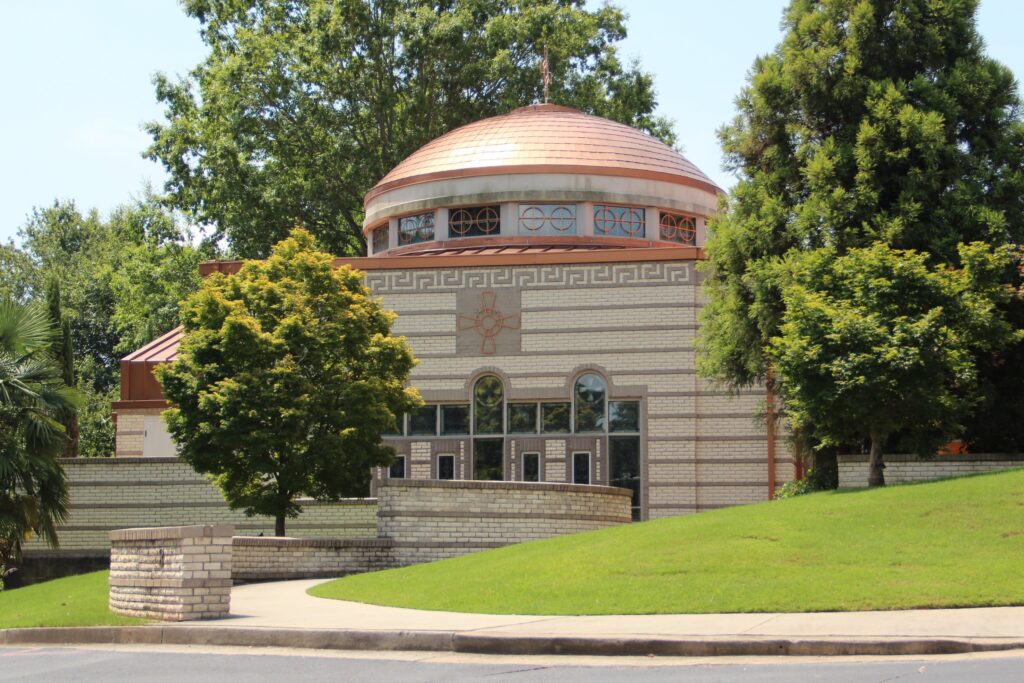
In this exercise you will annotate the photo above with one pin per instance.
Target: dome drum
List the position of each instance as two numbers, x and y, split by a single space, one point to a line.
544 222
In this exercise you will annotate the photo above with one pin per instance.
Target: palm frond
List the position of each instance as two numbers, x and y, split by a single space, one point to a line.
24 328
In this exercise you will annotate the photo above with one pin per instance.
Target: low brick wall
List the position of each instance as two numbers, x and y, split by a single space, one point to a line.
430 520
905 469
274 559
118 493
171 573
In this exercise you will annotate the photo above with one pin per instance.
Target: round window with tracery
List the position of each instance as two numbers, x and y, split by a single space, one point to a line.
474 222
677 228
619 221
548 218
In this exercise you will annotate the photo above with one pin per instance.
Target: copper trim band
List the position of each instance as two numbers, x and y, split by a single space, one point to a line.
567 169
372 263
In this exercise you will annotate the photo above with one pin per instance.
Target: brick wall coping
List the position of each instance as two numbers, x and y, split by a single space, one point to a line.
505 486
291 542
960 457
120 461
161 533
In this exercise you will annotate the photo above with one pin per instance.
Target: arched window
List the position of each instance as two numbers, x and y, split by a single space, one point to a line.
589 398
488 406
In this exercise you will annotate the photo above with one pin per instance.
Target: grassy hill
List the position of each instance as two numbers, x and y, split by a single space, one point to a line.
953 543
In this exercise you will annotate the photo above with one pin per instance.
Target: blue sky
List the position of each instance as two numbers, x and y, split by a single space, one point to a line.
76 84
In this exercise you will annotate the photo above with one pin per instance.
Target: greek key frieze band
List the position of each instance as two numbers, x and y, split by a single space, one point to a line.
596 275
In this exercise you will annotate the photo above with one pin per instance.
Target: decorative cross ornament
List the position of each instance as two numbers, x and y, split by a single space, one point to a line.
488 322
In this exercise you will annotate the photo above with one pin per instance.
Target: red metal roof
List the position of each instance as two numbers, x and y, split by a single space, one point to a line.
544 138
160 350
138 385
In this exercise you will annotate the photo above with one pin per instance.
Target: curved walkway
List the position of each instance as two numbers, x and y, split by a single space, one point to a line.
282 612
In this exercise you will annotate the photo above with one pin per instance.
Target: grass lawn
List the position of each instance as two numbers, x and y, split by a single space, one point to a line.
954 543
72 601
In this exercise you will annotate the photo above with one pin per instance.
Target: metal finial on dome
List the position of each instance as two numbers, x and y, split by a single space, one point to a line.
545 73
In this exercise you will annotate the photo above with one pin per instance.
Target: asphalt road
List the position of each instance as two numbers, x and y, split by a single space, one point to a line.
239 665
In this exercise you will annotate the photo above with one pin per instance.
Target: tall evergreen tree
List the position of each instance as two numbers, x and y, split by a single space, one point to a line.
63 354
872 121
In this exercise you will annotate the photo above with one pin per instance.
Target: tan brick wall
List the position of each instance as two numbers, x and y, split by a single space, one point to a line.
904 469
171 573
114 493
268 558
429 520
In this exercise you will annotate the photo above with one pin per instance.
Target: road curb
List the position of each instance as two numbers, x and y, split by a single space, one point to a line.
478 643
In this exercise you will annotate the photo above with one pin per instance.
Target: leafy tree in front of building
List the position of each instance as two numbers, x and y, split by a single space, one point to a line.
286 378
34 400
301 107
873 121
874 342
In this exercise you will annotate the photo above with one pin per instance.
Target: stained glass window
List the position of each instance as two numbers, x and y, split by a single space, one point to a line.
417 228
455 419
589 396
619 221
547 219
381 239
555 418
488 406
423 422
624 416
475 221
522 418
676 227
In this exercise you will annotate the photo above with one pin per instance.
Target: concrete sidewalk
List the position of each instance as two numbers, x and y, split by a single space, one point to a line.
285 606
281 614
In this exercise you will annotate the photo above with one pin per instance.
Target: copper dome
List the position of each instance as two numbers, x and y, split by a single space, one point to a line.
544 138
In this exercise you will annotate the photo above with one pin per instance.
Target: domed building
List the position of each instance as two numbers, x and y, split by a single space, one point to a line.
543 267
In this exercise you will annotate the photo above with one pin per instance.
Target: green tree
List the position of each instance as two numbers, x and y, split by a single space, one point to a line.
286 377
872 121
874 342
302 106
63 353
33 399
120 282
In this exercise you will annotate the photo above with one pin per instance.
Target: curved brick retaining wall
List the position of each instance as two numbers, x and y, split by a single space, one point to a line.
906 469
421 521
273 559
430 520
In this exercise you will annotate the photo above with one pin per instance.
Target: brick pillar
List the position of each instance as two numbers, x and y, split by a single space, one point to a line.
176 573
